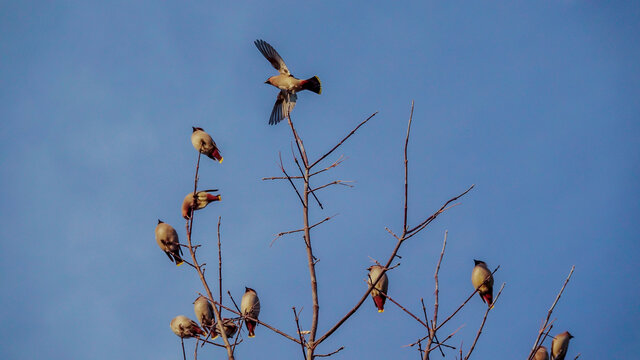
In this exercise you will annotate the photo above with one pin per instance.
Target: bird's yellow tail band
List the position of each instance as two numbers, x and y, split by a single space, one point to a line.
380 310
220 161
180 263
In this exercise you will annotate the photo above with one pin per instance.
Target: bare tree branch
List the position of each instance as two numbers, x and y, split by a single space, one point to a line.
342 141
484 319
546 320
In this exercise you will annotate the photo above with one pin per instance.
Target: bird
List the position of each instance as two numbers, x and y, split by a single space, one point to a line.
250 306
229 328
204 313
167 239
479 274
286 82
203 198
204 143
541 354
560 346
381 286
185 327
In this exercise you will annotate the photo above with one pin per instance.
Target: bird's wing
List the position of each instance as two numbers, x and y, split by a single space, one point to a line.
272 55
285 102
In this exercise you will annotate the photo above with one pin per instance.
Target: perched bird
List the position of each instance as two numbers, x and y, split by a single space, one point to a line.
185 327
250 306
167 239
203 199
479 274
205 144
229 328
560 346
541 354
286 82
204 313
381 286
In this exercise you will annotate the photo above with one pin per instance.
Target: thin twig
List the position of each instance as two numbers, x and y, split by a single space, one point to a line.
295 159
184 354
289 178
331 353
300 230
302 342
406 171
335 182
219 263
546 320
343 140
484 319
436 306
233 301
198 267
299 144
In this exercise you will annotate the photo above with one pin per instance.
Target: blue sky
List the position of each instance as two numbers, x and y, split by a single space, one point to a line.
534 102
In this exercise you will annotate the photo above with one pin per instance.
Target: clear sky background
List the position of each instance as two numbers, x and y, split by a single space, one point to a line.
537 103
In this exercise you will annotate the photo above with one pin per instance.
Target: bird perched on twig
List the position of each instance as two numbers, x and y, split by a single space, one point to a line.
287 83
541 354
167 239
203 198
229 328
185 327
381 286
250 306
479 274
560 346
205 144
204 313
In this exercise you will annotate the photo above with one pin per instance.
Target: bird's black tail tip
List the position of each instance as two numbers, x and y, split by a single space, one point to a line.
313 84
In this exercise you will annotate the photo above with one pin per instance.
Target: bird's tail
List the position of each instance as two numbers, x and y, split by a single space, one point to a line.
215 155
178 260
251 325
312 84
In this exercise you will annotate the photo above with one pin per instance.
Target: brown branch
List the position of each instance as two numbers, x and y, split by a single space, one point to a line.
428 220
302 342
289 178
342 141
198 267
546 320
184 355
439 344
434 321
331 353
406 171
299 144
233 301
295 159
336 182
258 321
404 309
484 319
219 263
300 230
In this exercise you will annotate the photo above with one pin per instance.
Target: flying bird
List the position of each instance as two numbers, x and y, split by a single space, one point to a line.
205 144
479 274
381 286
229 328
203 198
541 354
560 346
204 313
250 306
185 327
287 83
167 239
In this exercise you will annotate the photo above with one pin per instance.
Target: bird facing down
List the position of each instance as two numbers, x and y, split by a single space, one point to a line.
185 327
250 306
203 198
229 328
167 239
287 83
204 313
560 346
541 354
479 274
381 286
204 143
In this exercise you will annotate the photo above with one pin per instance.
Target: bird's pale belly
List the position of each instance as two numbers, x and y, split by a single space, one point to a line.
284 82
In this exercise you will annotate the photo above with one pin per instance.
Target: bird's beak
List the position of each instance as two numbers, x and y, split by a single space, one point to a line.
266 82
